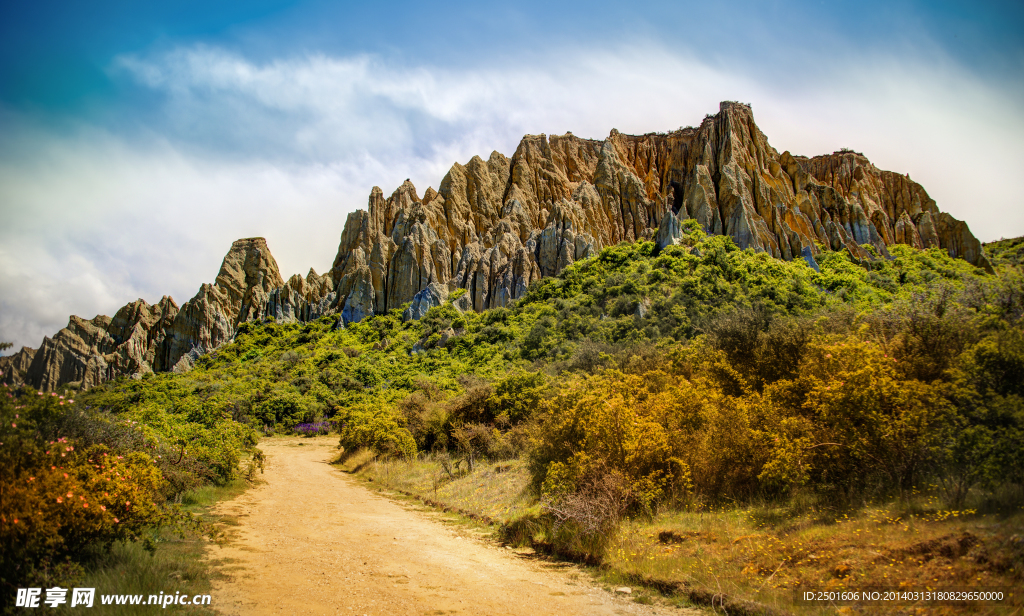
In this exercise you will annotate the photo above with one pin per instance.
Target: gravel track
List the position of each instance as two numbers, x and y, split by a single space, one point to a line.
312 540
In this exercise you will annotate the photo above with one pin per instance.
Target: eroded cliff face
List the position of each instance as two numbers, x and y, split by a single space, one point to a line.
247 278
93 351
13 368
494 226
144 337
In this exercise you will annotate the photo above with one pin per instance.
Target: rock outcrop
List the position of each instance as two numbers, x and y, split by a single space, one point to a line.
494 226
242 291
144 337
13 368
92 351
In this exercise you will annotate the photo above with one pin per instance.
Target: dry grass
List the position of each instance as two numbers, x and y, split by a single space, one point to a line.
176 566
494 490
761 554
764 555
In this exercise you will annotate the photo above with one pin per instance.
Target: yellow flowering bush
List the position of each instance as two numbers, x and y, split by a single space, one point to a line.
56 498
852 419
65 503
629 424
852 416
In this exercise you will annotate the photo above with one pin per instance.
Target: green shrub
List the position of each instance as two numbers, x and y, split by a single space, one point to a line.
377 428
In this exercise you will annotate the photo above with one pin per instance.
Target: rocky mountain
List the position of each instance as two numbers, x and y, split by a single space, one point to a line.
144 337
494 226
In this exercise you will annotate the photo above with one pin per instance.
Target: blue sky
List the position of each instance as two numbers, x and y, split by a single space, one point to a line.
138 140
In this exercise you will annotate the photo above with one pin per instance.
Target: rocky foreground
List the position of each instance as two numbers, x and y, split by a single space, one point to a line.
495 226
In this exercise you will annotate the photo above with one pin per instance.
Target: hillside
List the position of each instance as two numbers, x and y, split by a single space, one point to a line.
627 297
641 382
495 227
1007 251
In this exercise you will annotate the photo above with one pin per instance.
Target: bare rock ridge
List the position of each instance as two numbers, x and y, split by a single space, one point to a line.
494 226
247 278
144 337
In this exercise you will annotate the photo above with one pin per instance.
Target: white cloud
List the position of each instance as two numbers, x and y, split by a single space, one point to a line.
922 115
103 223
96 217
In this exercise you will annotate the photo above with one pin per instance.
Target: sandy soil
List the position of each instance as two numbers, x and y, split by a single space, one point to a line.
311 540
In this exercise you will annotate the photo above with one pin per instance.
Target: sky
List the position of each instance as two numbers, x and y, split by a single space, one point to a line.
138 140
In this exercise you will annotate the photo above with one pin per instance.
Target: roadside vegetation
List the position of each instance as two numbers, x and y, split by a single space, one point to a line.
700 420
109 491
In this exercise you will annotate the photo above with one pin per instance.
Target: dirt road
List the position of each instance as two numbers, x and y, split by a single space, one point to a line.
311 540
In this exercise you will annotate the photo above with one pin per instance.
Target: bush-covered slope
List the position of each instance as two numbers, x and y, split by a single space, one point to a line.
728 324
697 375
1007 252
